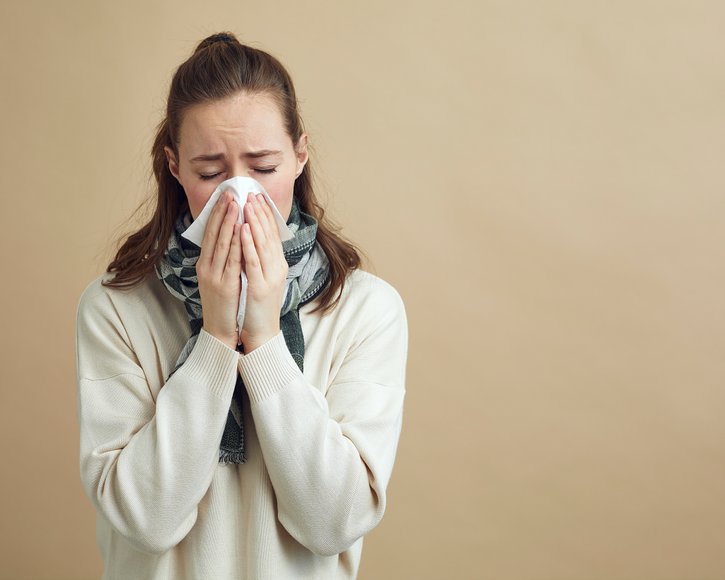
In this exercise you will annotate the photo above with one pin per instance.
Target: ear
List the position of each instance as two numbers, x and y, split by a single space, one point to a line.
302 155
171 160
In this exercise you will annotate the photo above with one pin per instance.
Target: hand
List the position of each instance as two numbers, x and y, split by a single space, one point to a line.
218 270
266 269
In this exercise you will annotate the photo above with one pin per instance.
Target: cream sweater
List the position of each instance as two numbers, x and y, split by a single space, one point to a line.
320 445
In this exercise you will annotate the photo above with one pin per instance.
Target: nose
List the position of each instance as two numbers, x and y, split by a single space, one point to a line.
239 168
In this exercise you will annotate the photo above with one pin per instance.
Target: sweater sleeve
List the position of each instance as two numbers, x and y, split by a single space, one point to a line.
330 456
146 461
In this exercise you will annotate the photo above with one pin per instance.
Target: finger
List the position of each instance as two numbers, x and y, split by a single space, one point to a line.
233 267
268 222
265 245
252 265
211 233
273 260
270 253
254 213
224 240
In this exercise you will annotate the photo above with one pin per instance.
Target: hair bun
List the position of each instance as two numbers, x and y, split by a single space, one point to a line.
226 37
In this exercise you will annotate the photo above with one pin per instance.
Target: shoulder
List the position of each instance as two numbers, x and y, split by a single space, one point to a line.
100 301
367 332
141 321
364 290
96 294
368 305
96 298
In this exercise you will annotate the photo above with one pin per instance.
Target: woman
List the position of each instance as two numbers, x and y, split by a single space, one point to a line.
215 451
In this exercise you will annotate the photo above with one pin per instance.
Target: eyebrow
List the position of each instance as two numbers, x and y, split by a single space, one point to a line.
251 154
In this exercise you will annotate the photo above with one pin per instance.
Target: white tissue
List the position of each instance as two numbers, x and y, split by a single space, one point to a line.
240 187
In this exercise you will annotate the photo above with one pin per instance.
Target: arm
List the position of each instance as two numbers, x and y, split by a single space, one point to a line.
146 463
330 457
147 460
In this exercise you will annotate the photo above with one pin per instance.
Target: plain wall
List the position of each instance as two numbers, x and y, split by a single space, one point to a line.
543 183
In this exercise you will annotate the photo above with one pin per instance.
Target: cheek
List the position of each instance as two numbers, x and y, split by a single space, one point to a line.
280 188
198 194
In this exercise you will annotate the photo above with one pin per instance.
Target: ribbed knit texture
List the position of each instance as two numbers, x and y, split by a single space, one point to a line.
322 445
267 369
217 376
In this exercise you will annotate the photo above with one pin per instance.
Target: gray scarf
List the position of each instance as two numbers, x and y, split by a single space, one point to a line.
307 275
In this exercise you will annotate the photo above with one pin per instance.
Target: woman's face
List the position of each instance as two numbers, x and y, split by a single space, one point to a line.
243 135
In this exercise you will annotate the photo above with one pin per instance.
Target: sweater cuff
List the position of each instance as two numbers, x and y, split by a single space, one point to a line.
268 369
212 363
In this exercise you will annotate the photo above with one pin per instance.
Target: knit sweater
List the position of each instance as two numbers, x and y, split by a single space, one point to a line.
320 444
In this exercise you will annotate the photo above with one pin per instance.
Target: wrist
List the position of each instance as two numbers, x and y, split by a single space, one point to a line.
251 342
230 340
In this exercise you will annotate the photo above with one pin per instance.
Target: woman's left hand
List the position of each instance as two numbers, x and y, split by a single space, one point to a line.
266 269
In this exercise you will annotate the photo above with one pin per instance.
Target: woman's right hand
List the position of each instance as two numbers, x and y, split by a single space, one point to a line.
218 270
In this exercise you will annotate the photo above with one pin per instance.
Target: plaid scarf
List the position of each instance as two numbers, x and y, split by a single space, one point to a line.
307 275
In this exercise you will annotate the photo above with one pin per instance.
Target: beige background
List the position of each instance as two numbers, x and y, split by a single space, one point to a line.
541 180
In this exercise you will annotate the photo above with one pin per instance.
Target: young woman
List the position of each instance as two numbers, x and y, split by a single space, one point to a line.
212 450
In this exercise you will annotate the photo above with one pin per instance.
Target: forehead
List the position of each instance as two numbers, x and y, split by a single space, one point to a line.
247 121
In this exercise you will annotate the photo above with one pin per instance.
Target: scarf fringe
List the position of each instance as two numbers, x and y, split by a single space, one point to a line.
226 456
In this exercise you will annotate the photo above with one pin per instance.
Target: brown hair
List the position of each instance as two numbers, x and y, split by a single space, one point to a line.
221 67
